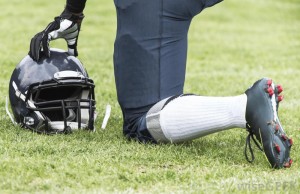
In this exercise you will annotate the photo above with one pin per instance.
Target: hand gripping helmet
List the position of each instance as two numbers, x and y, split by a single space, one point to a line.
54 95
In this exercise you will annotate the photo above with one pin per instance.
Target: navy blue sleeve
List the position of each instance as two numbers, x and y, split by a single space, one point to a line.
75 6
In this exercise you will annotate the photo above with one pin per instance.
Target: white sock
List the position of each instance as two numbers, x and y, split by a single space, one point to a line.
190 117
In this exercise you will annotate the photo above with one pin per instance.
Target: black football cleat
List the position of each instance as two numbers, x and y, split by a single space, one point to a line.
262 121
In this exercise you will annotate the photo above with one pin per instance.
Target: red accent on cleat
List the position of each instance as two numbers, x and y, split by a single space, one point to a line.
279 89
277 147
287 165
284 137
276 127
269 82
291 141
270 91
280 98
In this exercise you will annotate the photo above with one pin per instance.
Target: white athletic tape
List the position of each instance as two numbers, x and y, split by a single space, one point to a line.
8 113
106 117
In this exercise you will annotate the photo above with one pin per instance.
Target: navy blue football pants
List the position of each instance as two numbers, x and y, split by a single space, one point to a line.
150 55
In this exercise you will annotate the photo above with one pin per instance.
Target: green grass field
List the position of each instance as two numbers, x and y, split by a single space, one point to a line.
230 46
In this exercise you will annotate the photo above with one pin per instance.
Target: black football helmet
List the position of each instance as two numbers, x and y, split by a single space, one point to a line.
53 95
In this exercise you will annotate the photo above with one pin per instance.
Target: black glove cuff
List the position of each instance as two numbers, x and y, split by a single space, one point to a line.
66 14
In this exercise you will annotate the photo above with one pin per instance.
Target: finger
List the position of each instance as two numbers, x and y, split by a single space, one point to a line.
72 50
72 44
35 45
45 45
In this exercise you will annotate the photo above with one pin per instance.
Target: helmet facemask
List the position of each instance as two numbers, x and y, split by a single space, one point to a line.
60 105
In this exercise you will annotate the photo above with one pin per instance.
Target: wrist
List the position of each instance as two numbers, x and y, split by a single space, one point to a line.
76 17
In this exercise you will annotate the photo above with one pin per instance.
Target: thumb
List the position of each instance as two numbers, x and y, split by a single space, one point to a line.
72 50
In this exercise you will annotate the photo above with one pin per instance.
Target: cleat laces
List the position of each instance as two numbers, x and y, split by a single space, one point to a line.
248 144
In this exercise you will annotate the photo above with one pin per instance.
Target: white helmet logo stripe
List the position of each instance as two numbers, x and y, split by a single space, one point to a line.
17 92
